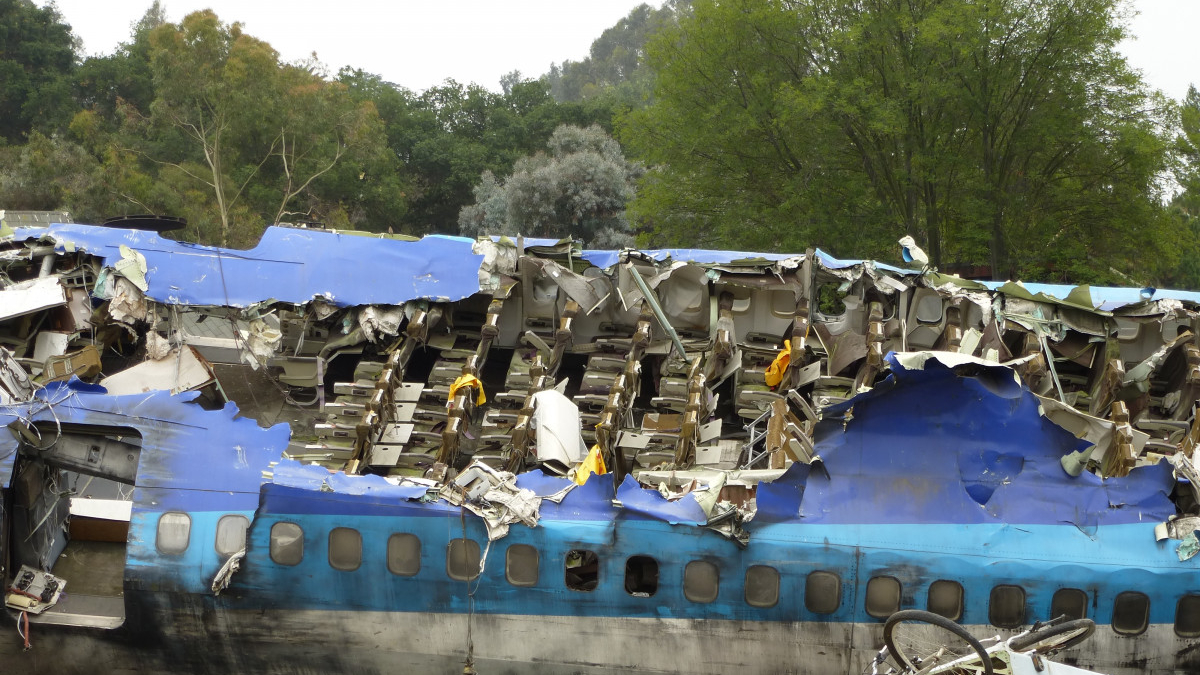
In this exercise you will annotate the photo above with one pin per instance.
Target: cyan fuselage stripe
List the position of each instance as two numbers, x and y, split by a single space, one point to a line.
1039 558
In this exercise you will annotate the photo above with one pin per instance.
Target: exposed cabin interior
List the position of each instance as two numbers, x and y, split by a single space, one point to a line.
720 364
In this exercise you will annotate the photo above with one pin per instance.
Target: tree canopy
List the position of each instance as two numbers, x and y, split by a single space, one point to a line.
37 59
1007 132
1004 135
578 189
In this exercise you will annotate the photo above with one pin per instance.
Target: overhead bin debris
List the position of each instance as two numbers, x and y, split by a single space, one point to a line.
708 388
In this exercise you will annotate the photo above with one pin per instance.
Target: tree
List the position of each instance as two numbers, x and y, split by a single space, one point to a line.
614 65
254 132
1007 132
1185 205
578 189
37 56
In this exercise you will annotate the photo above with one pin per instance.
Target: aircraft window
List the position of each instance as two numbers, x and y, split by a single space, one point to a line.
404 554
701 580
1069 601
287 543
231 534
582 570
174 530
345 549
1187 616
883 597
641 576
822 592
521 565
1131 613
946 598
1006 607
762 586
462 559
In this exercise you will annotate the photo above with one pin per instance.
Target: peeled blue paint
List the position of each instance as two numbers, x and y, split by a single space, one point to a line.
542 485
779 500
291 473
288 265
649 502
961 445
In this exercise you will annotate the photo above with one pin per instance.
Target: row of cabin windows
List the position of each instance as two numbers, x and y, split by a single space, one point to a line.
701 579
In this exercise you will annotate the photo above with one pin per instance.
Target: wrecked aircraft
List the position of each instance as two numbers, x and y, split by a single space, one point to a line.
337 452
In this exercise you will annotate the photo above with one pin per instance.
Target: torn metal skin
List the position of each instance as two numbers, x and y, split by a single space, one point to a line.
359 427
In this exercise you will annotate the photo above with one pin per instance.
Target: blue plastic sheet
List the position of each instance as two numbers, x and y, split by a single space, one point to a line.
288 265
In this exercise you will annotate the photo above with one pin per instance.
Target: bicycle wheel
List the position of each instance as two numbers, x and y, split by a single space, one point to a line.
915 638
1053 638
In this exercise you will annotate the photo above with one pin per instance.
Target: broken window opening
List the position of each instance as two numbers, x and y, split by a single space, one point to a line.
345 549
404 554
830 299
946 598
883 597
1070 602
521 565
762 586
822 592
582 570
287 543
1131 613
174 532
231 534
641 576
1006 607
701 581
462 559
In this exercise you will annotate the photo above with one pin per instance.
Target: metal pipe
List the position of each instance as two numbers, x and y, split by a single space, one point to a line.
657 309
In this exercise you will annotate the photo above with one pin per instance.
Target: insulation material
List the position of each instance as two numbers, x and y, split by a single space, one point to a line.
378 323
127 304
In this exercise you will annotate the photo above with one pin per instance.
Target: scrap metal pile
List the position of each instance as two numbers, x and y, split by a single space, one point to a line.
399 357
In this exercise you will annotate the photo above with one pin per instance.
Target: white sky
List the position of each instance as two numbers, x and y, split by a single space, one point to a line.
420 43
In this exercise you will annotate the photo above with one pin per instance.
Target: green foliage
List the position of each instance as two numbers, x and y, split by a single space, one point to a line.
37 56
614 68
578 189
448 135
1008 132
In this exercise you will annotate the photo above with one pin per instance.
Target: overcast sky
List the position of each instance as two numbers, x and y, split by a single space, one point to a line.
420 43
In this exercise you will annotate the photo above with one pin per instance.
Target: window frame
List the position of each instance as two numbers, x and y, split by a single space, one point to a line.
468 543
272 547
1195 598
187 533
961 598
388 554
824 609
716 586
1145 620
330 544
229 517
746 586
993 610
867 596
508 565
